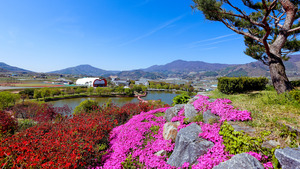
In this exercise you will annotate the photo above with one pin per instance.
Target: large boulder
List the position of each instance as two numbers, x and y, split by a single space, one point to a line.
288 157
190 112
193 99
188 146
240 161
173 111
170 130
208 117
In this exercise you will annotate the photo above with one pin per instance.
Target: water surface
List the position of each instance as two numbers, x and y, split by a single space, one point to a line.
165 97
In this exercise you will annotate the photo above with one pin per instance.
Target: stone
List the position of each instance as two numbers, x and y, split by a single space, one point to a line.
161 153
246 129
291 128
170 130
193 99
203 93
270 144
211 100
240 161
208 117
188 146
288 157
190 112
173 111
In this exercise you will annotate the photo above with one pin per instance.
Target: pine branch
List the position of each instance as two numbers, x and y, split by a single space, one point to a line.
240 32
293 30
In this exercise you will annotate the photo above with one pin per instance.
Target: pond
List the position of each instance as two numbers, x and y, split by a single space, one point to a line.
165 97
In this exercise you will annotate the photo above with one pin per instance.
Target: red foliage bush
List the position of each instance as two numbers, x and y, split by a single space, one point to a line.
68 143
8 124
40 112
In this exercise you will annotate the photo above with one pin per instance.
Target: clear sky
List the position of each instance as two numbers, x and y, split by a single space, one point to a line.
48 35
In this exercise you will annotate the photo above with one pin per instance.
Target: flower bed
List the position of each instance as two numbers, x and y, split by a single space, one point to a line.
68 142
131 146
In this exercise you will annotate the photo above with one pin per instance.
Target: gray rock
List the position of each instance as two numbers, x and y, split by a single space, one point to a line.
212 100
270 144
288 157
246 129
193 99
190 112
173 111
188 146
208 117
203 93
240 161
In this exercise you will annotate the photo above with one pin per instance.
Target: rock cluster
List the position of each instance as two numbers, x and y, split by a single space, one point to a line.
189 146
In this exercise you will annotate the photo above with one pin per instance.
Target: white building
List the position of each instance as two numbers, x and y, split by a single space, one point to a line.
142 82
91 82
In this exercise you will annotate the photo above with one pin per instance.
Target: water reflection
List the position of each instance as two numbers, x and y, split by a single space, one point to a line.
165 97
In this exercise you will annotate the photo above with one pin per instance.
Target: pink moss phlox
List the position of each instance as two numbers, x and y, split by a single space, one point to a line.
130 139
260 157
217 153
180 117
227 112
202 103
185 165
268 165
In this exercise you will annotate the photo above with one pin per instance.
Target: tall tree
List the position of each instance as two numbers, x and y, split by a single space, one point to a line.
270 29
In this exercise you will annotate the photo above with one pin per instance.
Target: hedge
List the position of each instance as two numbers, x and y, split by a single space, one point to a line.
230 85
296 83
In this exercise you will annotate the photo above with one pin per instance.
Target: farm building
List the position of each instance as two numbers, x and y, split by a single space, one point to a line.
91 82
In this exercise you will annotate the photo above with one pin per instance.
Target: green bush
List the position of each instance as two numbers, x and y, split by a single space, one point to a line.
7 99
181 99
295 94
85 106
231 85
24 124
296 83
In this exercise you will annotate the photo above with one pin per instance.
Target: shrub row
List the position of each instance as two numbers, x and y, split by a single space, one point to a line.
296 83
230 85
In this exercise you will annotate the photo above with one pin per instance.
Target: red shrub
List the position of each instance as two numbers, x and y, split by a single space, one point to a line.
8 124
68 143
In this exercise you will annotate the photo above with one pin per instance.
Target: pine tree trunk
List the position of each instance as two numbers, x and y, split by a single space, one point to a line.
279 79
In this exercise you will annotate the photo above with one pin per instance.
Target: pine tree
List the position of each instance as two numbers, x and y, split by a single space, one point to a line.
269 27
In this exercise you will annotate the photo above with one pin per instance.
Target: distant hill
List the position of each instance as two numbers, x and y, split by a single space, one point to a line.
186 66
137 74
84 70
259 69
3 70
187 70
7 68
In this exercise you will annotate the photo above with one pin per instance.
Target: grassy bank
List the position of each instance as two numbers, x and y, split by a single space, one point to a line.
269 111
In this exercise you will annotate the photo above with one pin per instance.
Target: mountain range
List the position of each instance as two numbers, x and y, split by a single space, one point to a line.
84 70
177 68
7 68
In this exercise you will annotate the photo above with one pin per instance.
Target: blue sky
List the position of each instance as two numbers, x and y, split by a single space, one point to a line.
49 35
